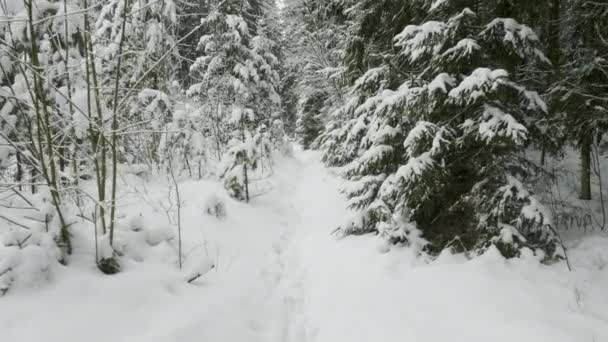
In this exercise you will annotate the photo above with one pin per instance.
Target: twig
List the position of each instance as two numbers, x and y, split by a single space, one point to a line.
15 222
24 241
198 275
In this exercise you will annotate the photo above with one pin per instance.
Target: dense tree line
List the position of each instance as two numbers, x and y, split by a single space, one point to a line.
429 109
440 115
90 89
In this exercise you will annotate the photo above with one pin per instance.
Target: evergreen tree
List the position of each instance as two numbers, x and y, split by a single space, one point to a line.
437 150
144 77
238 86
310 124
316 34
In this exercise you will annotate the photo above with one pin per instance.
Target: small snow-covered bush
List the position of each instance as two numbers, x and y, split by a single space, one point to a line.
513 219
216 207
26 258
139 170
136 238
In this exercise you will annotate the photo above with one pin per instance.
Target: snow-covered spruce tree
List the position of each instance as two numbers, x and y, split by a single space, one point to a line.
146 71
310 123
271 26
278 138
368 50
315 45
150 112
151 31
238 80
433 138
545 17
188 140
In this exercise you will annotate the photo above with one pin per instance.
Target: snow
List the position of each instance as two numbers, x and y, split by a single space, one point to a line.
465 47
441 82
414 40
477 84
371 78
436 4
274 272
422 130
521 38
498 123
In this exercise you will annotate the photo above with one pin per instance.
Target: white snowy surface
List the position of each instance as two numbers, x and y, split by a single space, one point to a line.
280 276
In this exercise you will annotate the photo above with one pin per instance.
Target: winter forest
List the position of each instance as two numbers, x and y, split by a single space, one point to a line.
304 170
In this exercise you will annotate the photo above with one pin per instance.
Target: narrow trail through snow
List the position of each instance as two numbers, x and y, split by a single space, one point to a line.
254 294
260 276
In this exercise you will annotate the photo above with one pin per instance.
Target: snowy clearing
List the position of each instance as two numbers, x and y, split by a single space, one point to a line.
280 276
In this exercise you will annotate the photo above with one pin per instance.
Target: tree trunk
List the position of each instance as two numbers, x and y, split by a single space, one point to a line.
245 161
555 55
115 125
19 171
586 168
554 48
246 177
33 180
543 155
61 151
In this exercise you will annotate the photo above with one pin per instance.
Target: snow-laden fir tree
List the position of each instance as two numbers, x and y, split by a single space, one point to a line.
368 48
310 122
316 39
432 139
145 74
184 139
238 82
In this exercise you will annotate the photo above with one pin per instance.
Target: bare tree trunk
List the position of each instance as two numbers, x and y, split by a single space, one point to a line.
96 134
179 210
44 133
19 171
115 123
187 164
246 178
555 55
61 152
216 130
543 154
76 175
33 180
245 173
554 46
586 168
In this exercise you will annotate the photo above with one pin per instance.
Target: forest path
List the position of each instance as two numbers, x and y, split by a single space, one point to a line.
301 211
255 293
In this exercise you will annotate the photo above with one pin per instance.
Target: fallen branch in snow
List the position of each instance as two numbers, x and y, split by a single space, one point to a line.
561 242
198 275
14 222
24 199
8 269
20 243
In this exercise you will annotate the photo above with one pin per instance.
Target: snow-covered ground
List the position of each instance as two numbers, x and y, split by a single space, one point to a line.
280 276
